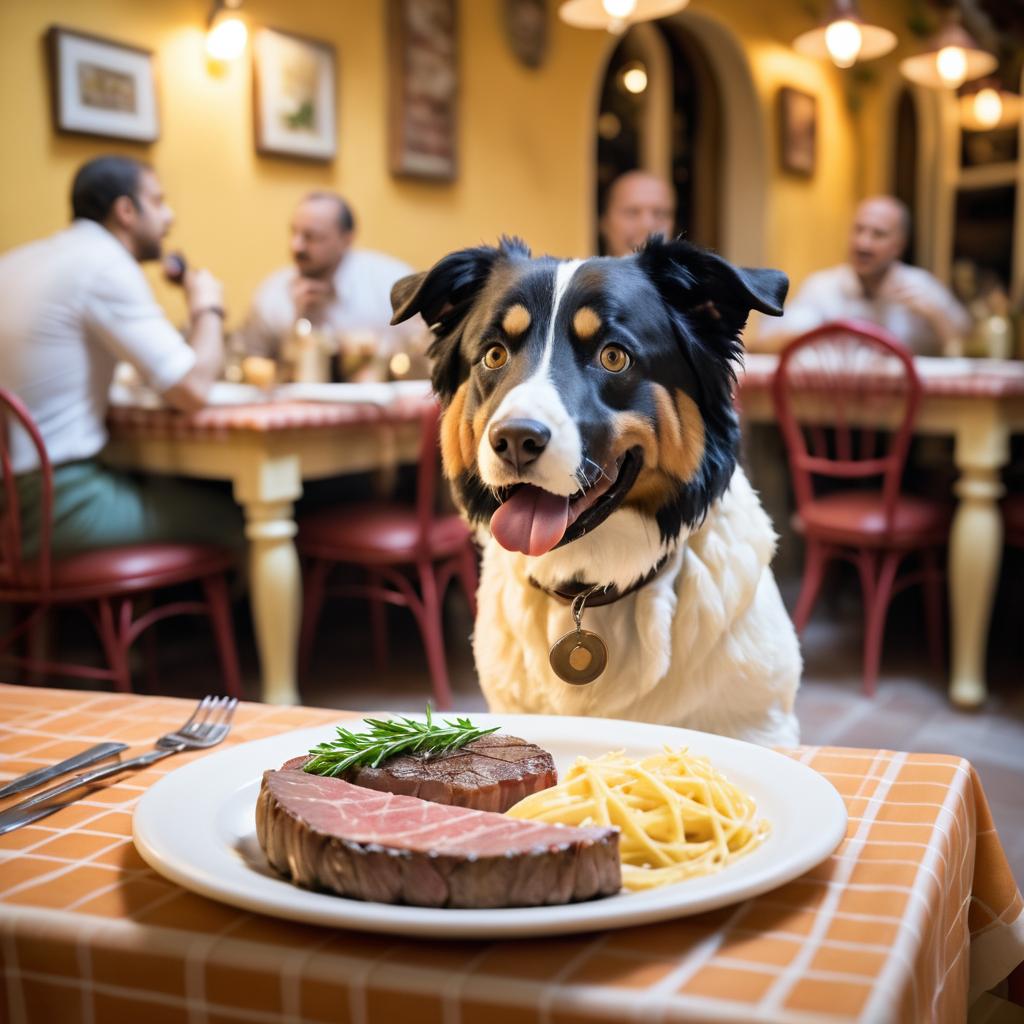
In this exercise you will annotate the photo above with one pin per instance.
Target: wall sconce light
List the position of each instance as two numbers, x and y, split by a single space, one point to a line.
616 15
844 37
985 105
226 31
951 57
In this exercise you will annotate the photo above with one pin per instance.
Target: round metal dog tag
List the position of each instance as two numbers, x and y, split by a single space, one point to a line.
578 657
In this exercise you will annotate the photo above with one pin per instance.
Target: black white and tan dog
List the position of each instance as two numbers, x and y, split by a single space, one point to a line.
590 435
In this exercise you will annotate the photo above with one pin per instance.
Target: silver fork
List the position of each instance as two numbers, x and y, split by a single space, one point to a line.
208 724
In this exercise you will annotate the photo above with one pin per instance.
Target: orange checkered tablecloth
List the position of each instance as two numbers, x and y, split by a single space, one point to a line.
916 909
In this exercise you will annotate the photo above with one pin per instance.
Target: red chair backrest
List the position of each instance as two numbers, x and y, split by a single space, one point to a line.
427 474
833 387
14 416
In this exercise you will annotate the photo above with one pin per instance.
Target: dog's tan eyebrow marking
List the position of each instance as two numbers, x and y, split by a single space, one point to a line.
457 447
516 320
586 323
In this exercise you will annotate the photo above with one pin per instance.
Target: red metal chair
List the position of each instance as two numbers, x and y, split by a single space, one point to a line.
398 546
105 581
832 388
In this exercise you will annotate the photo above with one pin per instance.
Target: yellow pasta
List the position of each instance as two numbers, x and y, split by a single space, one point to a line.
678 817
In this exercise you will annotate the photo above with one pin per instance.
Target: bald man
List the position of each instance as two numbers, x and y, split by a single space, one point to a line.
638 204
344 292
874 285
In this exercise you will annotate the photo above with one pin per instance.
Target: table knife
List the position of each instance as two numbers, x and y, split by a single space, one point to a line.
30 780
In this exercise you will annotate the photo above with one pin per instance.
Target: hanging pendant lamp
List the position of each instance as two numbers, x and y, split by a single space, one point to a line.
985 106
951 57
844 37
616 15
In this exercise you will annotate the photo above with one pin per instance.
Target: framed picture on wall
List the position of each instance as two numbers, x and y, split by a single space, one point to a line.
798 129
102 87
294 96
423 88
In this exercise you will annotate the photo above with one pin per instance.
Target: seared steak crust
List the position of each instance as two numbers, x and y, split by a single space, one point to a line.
328 834
488 774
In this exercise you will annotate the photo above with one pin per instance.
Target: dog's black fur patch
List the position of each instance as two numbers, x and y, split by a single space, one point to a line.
676 309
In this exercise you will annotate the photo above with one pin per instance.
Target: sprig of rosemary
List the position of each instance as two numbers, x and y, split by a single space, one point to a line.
385 739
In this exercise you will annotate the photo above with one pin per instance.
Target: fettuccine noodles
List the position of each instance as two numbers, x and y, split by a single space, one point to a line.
679 817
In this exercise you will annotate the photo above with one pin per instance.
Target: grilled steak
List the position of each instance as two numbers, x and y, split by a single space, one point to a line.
326 833
489 774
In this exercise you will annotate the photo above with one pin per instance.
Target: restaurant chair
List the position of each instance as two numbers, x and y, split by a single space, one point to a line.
106 582
408 553
833 387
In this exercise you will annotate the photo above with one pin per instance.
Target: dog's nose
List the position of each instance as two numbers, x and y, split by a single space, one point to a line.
518 442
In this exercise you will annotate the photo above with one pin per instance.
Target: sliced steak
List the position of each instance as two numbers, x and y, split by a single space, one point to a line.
488 774
326 833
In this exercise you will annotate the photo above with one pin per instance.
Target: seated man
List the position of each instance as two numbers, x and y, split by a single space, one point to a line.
335 299
73 305
874 285
638 204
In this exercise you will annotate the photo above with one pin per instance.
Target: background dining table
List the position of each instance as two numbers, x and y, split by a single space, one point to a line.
266 450
915 913
980 404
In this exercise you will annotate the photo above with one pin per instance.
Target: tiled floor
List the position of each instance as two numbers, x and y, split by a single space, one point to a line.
910 711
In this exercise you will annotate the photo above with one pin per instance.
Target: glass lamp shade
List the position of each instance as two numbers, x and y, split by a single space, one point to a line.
227 31
951 57
613 15
988 106
844 37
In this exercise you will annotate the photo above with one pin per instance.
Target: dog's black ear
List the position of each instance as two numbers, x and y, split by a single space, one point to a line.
444 296
709 290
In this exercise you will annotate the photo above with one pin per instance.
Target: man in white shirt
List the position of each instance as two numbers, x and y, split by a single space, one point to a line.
638 204
76 303
335 297
915 307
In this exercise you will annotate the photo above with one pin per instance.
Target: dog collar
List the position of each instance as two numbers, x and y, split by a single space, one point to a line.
598 595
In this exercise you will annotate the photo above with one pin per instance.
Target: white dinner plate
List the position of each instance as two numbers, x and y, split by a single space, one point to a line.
196 826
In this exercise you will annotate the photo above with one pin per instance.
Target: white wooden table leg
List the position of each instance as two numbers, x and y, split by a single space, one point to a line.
275 583
975 548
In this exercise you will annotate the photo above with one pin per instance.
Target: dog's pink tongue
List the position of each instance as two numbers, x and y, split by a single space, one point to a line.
531 521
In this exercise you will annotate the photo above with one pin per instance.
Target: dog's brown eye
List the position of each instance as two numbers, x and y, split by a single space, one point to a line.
495 357
614 359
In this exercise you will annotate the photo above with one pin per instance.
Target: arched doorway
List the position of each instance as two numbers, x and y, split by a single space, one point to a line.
660 111
905 169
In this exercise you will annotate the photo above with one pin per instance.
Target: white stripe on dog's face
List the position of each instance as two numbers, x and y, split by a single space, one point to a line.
537 398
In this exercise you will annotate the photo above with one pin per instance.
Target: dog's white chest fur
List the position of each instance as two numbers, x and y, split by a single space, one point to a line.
706 645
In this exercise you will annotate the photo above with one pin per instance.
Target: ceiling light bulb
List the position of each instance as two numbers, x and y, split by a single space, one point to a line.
843 39
988 107
619 9
951 63
634 79
226 38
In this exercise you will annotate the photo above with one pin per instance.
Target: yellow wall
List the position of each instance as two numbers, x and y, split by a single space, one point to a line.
526 137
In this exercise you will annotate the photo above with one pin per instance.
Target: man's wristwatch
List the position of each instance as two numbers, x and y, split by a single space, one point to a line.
216 310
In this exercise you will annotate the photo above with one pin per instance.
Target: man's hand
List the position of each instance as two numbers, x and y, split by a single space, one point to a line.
311 296
203 291
915 295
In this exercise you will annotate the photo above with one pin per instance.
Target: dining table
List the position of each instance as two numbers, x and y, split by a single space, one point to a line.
266 447
914 915
980 404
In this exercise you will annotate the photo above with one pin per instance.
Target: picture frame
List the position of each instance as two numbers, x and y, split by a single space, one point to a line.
295 96
101 86
423 89
798 130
